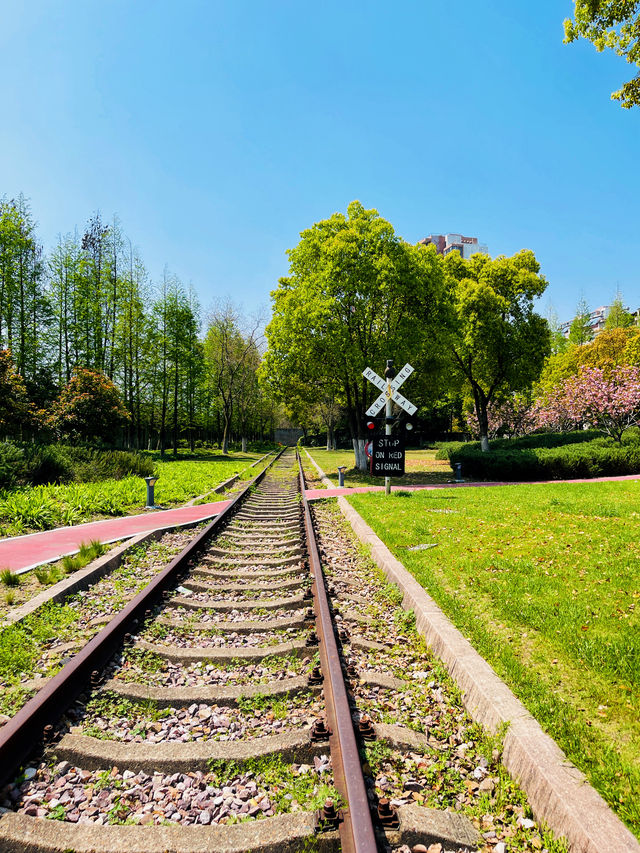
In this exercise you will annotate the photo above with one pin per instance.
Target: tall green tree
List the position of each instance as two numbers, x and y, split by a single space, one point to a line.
580 331
23 306
15 409
559 342
231 358
176 317
356 294
612 25
496 342
618 317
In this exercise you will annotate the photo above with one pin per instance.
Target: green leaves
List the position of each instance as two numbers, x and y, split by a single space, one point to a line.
612 25
356 295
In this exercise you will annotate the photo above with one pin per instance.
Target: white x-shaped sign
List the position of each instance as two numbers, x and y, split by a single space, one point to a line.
389 390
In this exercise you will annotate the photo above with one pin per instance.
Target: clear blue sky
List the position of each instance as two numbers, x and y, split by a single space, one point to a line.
217 131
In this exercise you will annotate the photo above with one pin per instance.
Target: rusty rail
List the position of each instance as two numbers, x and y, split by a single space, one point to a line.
356 829
22 734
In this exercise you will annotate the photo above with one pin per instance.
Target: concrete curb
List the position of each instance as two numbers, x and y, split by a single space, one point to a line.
84 578
558 792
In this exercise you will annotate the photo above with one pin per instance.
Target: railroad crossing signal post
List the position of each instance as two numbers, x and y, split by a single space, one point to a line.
389 374
389 394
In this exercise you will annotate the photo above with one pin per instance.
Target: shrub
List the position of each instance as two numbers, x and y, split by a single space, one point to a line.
92 465
447 447
59 463
598 457
49 463
11 465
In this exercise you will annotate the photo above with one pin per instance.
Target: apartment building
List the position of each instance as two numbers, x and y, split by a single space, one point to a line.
446 243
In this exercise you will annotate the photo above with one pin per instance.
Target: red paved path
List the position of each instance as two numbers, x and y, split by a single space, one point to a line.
316 494
23 552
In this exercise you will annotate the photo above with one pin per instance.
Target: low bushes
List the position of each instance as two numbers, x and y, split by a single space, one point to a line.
41 464
550 457
445 448
11 465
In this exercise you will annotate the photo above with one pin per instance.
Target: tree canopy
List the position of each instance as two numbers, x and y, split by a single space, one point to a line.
496 342
580 331
613 25
356 294
89 407
618 316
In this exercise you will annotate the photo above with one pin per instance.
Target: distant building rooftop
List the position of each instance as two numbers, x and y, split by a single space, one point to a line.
446 243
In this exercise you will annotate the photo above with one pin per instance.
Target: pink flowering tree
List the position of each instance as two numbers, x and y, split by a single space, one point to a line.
511 417
609 402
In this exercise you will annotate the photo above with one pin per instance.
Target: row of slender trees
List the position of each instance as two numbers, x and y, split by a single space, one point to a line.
90 303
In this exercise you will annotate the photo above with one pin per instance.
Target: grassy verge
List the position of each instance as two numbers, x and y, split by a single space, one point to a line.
544 581
421 467
46 507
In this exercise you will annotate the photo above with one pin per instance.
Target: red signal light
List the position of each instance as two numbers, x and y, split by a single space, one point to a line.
371 425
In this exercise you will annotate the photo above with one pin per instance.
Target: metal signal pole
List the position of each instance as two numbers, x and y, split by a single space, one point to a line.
389 374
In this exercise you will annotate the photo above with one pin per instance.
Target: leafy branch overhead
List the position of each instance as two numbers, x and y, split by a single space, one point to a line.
612 25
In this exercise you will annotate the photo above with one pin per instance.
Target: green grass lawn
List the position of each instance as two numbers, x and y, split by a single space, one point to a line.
45 507
545 581
421 467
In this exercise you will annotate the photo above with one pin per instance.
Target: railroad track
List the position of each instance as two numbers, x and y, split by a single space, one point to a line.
242 702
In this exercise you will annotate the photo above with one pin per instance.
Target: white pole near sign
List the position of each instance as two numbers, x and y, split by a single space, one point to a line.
389 394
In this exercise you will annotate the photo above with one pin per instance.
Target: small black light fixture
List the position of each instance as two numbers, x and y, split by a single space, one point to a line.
150 481
341 470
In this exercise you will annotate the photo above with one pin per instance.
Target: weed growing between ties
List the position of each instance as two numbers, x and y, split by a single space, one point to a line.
544 580
291 787
229 793
146 667
108 716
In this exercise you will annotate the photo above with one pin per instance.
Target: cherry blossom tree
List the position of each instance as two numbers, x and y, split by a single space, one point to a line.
511 417
608 401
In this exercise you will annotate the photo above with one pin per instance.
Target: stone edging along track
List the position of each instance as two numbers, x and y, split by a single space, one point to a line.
558 792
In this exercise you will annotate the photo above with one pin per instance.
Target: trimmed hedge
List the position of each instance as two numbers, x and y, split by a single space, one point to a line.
540 439
445 448
598 457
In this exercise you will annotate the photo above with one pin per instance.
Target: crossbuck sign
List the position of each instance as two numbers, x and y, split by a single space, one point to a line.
389 390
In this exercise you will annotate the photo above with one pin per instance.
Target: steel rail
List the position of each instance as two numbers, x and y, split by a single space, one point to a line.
357 834
22 734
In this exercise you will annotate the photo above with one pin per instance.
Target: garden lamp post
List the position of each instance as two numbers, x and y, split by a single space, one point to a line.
150 481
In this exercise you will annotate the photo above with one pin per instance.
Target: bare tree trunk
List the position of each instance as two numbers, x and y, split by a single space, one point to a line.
361 457
483 419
